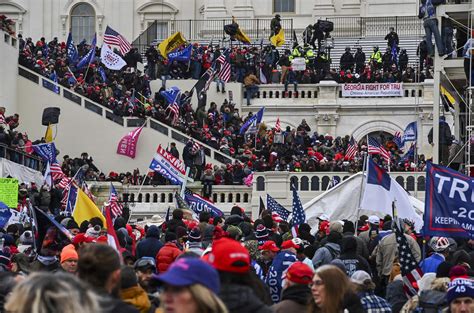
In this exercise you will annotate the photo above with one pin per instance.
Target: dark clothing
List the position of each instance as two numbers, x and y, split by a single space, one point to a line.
242 299
293 299
275 26
354 262
392 39
347 61
150 245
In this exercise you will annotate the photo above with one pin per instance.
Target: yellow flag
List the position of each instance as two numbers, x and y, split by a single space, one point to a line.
171 43
48 136
85 209
241 36
448 95
278 40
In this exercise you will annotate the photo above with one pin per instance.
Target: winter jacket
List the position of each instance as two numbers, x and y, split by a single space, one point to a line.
166 256
137 297
354 262
242 299
326 254
280 264
294 299
109 304
151 244
386 251
430 264
395 295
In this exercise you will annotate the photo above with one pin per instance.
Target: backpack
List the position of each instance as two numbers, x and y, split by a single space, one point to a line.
334 253
431 301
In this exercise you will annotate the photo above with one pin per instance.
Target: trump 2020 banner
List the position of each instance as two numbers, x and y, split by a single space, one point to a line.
449 203
170 167
373 90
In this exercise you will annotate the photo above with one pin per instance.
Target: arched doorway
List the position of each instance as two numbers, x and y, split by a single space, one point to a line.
82 22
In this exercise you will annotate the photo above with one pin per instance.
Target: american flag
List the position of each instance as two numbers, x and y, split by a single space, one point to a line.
375 148
65 182
224 73
56 171
180 202
276 217
174 108
410 270
195 148
111 37
278 125
299 217
351 149
211 72
115 207
276 207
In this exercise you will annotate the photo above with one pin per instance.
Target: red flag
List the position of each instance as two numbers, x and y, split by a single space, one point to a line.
128 144
112 239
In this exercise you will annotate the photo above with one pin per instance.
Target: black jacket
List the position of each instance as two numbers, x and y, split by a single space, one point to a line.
151 244
242 299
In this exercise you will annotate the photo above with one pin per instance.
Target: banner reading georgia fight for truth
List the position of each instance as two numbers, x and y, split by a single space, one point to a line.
373 90
449 203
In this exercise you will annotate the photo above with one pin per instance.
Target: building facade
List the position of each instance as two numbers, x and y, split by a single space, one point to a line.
55 18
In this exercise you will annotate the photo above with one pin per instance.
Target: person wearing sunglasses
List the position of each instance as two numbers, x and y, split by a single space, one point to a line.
331 290
190 285
145 267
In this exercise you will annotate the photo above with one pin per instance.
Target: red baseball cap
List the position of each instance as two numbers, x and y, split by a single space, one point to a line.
289 244
229 255
269 245
299 273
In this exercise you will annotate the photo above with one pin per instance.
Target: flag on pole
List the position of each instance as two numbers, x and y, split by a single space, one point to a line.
397 139
110 59
72 54
374 147
46 230
113 38
172 96
112 238
181 55
168 166
352 149
47 178
180 203
114 205
85 208
90 56
410 133
274 206
225 70
298 215
128 144
411 272
278 40
278 125
261 207
257 118
170 44
47 151
56 171
199 204
48 136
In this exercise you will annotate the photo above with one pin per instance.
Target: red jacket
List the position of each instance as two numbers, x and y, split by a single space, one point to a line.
166 256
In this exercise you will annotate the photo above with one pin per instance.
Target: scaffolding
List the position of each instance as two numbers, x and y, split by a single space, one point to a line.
451 70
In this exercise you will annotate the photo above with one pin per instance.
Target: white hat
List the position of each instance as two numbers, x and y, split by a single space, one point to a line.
359 277
374 219
324 217
156 220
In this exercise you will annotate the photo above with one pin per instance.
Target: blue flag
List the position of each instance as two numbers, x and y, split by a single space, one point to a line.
181 55
274 206
102 74
409 155
449 201
54 78
410 133
257 118
89 57
72 54
171 95
199 204
71 198
47 151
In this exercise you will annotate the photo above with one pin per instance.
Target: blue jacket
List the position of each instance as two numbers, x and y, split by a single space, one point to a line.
151 244
430 265
274 278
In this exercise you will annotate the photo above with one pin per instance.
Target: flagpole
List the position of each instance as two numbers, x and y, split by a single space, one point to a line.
143 182
364 168
183 186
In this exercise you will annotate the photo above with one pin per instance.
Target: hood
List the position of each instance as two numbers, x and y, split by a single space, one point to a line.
153 231
334 246
299 293
137 297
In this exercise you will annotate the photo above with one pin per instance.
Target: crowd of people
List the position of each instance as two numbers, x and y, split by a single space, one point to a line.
7 25
230 264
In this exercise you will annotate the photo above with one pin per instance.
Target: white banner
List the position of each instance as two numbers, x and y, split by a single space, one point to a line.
298 64
373 90
110 59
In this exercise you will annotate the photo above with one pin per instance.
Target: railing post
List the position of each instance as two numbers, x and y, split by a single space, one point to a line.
258 20
190 31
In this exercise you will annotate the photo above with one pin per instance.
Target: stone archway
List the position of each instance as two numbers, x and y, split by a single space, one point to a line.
15 12
366 128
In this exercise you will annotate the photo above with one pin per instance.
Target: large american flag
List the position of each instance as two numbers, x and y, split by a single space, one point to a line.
278 125
115 207
274 206
298 216
374 147
224 73
409 268
351 149
111 37
56 171
195 148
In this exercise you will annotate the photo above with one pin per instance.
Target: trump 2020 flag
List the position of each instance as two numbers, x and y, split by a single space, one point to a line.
168 166
89 57
110 59
381 191
72 54
198 204
47 151
257 118
410 133
128 144
449 201
180 55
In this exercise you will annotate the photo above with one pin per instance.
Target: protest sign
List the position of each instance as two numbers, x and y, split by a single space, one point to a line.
9 191
298 64
372 90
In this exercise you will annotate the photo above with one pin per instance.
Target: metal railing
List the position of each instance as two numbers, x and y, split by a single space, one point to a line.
207 30
21 157
103 111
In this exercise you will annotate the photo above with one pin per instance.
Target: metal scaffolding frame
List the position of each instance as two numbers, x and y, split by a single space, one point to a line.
440 65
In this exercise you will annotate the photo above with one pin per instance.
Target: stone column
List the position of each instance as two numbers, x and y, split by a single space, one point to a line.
215 9
327 115
243 9
323 8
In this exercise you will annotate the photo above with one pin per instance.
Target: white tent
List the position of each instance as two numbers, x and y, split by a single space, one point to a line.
342 202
